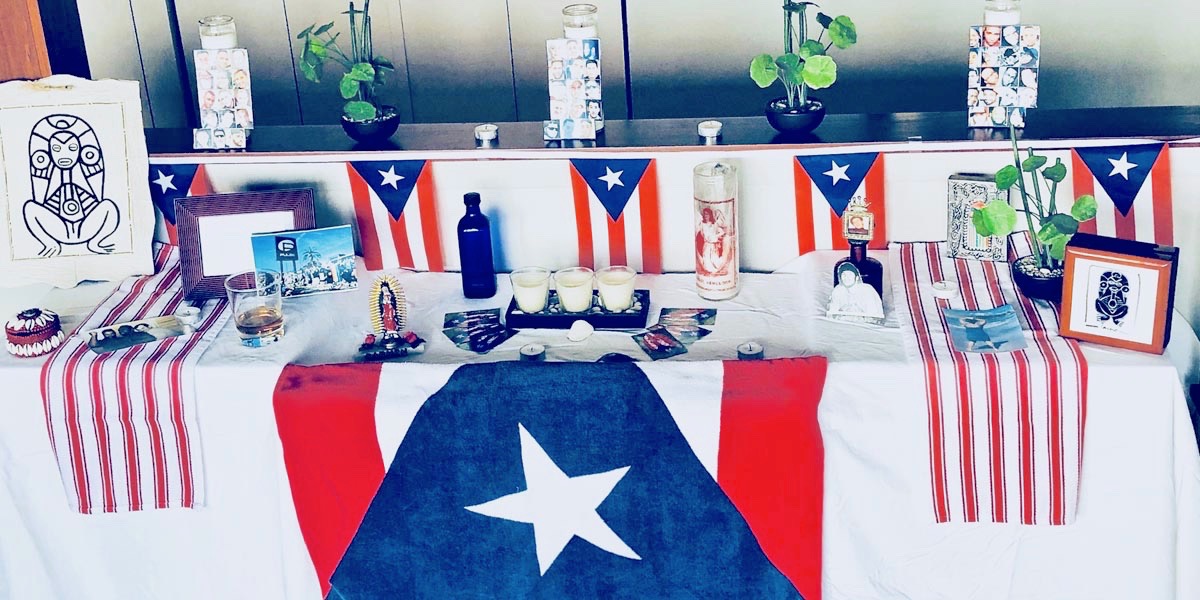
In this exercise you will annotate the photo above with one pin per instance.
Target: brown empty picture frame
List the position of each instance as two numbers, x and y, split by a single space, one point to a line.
1119 292
214 233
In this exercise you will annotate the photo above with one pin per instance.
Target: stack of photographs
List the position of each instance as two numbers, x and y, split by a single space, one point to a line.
476 330
1002 79
576 112
223 94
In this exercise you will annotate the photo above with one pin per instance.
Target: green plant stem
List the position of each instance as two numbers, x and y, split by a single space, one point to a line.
1034 242
1053 193
788 28
803 101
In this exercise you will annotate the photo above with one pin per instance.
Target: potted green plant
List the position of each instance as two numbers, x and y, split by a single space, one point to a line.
364 117
805 64
1039 275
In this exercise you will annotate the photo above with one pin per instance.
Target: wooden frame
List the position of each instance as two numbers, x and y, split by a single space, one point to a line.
1118 292
225 222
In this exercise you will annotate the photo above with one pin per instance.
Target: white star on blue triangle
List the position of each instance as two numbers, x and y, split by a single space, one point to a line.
1121 171
613 181
828 171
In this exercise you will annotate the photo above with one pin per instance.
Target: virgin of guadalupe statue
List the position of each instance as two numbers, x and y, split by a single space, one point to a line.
68 207
388 310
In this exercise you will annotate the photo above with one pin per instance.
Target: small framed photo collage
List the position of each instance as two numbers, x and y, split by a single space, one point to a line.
1002 76
223 94
576 112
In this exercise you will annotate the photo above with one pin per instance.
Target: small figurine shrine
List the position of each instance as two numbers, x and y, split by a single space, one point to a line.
389 316
858 279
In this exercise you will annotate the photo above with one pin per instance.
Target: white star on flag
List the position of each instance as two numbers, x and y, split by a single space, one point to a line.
559 507
838 173
1121 166
612 179
166 182
390 177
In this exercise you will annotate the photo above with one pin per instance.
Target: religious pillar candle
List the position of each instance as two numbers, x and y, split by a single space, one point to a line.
715 187
574 287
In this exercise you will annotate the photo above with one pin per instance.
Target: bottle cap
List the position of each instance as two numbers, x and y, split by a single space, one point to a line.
470 198
750 351
709 129
486 132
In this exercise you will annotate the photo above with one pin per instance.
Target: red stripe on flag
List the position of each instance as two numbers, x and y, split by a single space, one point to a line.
771 459
651 221
805 239
399 229
878 203
1084 184
367 238
837 236
430 230
937 464
1126 225
583 219
616 240
1160 178
333 482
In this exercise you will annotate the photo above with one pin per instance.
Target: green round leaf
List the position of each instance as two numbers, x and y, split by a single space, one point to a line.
358 110
1058 247
1033 163
1006 177
763 70
824 19
790 68
811 48
311 72
382 63
361 72
1048 233
348 87
1084 208
316 47
842 32
303 34
1055 173
323 28
820 72
1064 223
995 218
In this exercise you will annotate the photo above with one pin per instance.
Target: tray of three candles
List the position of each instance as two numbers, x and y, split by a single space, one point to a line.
553 316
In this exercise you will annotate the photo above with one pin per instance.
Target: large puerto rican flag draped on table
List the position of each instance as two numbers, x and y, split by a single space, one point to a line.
170 182
825 183
1132 186
514 480
617 213
1005 429
395 209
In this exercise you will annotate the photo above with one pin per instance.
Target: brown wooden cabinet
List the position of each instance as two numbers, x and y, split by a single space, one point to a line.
24 55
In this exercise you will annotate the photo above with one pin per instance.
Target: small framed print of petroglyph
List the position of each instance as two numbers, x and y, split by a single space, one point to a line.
74 204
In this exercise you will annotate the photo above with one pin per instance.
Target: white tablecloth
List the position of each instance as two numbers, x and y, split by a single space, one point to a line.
1137 535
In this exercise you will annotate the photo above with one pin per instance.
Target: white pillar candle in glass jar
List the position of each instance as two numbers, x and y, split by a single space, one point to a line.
1002 12
579 21
574 287
531 286
616 287
218 32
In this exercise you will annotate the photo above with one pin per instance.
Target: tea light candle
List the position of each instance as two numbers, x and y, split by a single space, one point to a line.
531 286
218 32
616 287
574 288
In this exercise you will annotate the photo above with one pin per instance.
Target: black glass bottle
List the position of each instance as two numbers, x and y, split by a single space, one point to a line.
475 251
870 269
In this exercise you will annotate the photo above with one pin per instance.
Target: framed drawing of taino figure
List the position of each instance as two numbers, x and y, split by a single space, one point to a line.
74 200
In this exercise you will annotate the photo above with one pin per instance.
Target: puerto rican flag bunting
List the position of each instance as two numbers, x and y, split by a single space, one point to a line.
1005 429
1132 186
617 213
395 209
712 478
123 425
825 183
170 182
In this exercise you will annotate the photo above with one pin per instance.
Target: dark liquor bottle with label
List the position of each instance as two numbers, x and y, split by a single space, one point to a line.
475 251
858 227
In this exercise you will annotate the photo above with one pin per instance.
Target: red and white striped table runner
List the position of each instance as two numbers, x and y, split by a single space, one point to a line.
123 425
1006 429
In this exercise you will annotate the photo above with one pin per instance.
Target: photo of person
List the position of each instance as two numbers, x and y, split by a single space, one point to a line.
594 110
208 100
714 243
576 68
203 60
218 138
1027 97
591 90
225 120
1008 96
1008 77
974 37
1029 57
224 61
990 76
1029 78
1031 36
1016 116
591 49
585 129
220 79
989 97
979 117
568 129
241 118
991 36
203 80
1000 116
224 100
240 59
975 58
558 90
1012 35
558 110
237 138
242 99
209 119
853 300
972 97
572 50
859 226
591 70
575 89
241 80
578 110
973 80
557 71
201 139
1010 57
991 330
991 57
554 49
550 130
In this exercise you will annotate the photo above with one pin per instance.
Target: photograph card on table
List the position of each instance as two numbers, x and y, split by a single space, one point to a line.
1002 74
986 331
311 261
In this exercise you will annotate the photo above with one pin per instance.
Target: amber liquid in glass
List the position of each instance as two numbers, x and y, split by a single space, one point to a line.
260 321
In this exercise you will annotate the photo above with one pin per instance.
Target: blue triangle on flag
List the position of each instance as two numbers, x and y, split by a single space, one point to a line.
838 176
392 180
168 183
612 180
1121 170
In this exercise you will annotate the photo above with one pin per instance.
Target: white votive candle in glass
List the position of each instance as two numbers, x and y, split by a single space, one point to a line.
531 286
218 32
616 287
574 288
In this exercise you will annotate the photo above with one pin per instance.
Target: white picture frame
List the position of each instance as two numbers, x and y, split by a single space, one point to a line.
74 203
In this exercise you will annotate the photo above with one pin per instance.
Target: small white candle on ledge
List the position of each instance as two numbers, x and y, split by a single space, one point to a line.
616 287
218 32
531 286
574 287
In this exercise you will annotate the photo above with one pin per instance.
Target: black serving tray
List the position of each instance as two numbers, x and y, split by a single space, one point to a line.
553 316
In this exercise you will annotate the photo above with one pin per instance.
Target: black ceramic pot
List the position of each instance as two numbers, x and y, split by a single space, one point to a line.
1036 282
375 130
795 120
